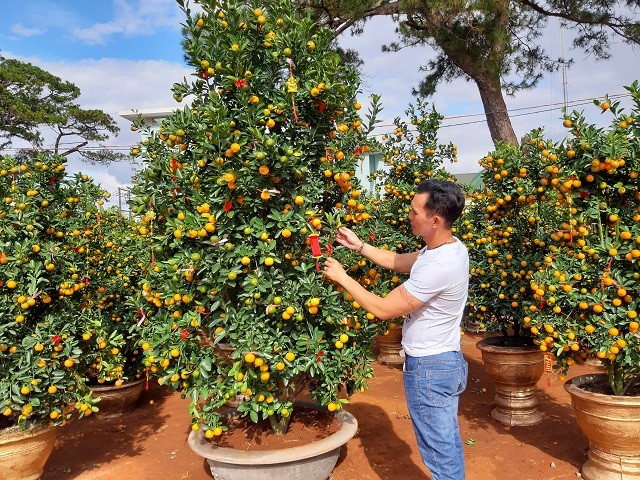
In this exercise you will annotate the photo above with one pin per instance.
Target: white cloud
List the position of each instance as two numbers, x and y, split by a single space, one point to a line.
143 17
22 31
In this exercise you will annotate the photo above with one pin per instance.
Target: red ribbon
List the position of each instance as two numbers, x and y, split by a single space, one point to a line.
316 251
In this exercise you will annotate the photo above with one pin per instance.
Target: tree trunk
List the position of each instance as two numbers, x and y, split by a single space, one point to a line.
496 112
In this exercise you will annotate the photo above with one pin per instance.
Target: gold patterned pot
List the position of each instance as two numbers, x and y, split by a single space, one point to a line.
23 453
390 345
612 425
515 371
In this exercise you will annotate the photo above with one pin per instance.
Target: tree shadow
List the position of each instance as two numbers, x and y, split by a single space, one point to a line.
84 444
558 435
388 454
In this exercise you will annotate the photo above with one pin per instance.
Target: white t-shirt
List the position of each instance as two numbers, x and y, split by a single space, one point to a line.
440 279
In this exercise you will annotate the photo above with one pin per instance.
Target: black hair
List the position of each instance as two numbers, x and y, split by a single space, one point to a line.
445 199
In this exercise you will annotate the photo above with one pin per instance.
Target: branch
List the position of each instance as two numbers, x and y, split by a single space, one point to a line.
616 24
74 149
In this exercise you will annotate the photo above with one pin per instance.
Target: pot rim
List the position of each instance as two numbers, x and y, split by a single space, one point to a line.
110 387
488 344
15 433
572 386
348 428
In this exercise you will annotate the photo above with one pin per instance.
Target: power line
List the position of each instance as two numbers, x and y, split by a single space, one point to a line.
510 111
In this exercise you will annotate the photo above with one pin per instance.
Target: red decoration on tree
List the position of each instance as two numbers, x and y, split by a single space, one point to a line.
316 251
56 339
227 207
184 334
241 82
372 238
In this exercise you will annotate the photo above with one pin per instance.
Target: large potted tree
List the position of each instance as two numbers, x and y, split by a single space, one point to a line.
43 279
239 192
507 234
117 259
586 295
410 154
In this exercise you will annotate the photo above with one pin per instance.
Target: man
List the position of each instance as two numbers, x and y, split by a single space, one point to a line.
433 300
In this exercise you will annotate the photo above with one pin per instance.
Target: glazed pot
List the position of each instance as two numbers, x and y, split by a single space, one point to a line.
515 371
390 345
314 461
23 453
114 400
611 423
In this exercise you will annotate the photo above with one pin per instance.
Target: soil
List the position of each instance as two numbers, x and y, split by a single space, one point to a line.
305 426
150 442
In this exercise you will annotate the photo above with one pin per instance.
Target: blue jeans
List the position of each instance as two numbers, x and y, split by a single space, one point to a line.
432 387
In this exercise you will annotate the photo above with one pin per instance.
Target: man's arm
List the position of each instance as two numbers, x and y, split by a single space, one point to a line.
398 262
397 303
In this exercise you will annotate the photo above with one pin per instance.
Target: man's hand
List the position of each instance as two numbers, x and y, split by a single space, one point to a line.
347 238
334 271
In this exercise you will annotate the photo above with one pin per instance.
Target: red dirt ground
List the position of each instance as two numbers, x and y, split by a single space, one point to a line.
150 442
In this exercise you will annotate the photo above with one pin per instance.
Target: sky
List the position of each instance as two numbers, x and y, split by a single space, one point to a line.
126 54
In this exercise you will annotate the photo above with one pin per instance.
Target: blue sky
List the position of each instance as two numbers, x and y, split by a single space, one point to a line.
125 54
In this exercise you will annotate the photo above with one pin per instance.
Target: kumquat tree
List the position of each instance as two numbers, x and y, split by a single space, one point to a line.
45 236
411 154
586 296
238 197
507 227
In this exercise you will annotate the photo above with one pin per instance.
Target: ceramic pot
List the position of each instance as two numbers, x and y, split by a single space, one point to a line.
612 425
23 453
314 461
515 371
114 401
390 345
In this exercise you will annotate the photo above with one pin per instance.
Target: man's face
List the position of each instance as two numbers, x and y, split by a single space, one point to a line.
420 220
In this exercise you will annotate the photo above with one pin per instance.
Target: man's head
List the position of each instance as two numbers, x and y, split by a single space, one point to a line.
443 198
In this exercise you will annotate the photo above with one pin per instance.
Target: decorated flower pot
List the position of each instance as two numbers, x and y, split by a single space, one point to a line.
23 453
115 400
612 425
515 371
391 351
314 461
